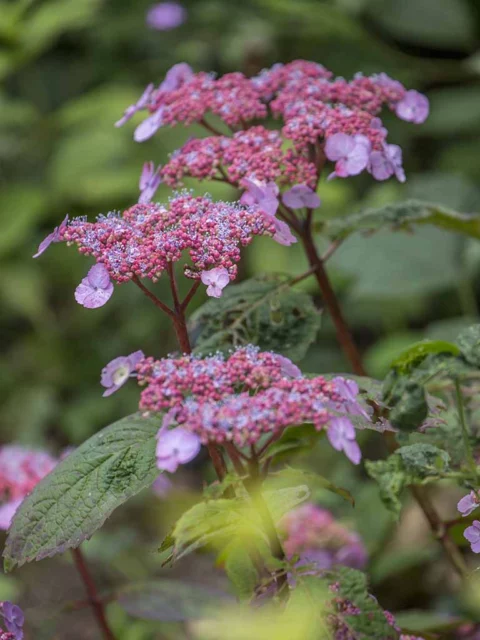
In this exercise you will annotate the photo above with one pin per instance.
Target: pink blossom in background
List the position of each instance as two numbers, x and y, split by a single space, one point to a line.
118 371
216 279
96 289
165 16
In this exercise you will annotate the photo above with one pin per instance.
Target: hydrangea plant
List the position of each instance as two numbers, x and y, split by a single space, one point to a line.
273 137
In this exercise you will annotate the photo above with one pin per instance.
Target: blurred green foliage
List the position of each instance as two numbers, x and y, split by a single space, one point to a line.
68 69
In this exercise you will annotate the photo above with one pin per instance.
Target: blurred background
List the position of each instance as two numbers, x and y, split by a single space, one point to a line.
68 69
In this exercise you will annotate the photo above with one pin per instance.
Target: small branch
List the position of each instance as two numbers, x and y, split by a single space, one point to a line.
173 286
93 598
190 295
331 250
158 303
210 128
234 456
217 461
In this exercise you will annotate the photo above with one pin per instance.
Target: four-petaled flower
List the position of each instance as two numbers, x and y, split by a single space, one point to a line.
472 534
300 196
386 163
55 236
341 434
13 618
265 195
216 279
174 447
96 289
350 154
468 504
413 107
118 371
166 15
150 180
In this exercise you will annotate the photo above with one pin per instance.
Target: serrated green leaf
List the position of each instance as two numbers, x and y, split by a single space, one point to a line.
170 600
370 621
391 479
281 501
421 460
469 344
412 356
401 216
76 498
262 311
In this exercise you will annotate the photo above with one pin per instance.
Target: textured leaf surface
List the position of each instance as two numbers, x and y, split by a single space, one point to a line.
469 344
266 312
76 498
401 216
170 600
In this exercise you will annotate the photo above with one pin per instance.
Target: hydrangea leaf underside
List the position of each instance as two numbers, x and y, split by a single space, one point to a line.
76 498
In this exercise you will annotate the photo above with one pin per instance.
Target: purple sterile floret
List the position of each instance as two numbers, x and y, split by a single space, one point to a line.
7 511
350 153
96 289
341 434
149 126
264 195
55 236
468 503
299 196
166 15
174 447
138 106
150 180
413 107
13 618
386 163
472 534
118 371
216 279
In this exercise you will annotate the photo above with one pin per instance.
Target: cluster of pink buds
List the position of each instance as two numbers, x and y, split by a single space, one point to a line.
147 239
20 471
316 538
241 398
323 116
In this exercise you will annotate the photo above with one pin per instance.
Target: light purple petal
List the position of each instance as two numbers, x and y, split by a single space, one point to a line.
467 504
338 146
90 297
135 357
176 76
352 451
216 279
300 196
45 243
283 234
289 369
472 534
166 15
414 107
162 486
379 166
133 108
146 175
176 446
357 159
98 276
149 126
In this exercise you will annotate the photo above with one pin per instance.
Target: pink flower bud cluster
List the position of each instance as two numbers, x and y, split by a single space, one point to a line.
146 238
241 397
312 104
256 153
312 534
20 471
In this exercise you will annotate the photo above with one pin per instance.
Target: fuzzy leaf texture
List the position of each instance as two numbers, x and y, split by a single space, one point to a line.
469 344
262 311
76 498
371 622
401 216
413 464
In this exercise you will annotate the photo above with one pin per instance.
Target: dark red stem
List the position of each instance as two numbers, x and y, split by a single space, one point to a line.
92 594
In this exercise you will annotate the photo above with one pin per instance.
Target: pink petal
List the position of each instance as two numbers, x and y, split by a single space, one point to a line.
98 276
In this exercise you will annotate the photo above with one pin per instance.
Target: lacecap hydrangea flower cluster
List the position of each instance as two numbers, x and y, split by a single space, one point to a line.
240 398
322 117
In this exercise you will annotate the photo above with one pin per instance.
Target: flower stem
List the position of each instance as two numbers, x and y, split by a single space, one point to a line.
464 427
93 597
343 332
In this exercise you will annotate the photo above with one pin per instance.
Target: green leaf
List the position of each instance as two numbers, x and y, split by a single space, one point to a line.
240 570
413 355
418 463
76 498
312 480
370 621
408 405
401 216
280 501
170 600
469 344
262 311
